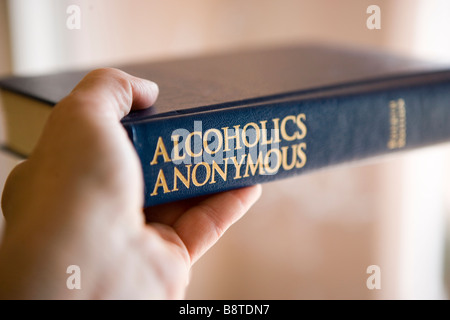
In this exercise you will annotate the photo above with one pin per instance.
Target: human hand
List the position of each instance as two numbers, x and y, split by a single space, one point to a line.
77 201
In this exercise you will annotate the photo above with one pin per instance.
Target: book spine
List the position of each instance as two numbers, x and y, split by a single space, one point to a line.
191 155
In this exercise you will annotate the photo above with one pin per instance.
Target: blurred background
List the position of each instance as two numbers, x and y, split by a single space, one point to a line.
309 237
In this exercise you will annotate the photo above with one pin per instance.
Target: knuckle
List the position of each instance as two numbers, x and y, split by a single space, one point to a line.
104 72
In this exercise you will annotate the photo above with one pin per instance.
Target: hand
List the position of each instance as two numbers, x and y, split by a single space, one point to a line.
77 201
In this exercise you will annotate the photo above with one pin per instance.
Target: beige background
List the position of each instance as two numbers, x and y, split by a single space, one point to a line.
308 237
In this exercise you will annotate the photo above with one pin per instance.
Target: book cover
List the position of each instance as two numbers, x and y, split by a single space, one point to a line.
235 119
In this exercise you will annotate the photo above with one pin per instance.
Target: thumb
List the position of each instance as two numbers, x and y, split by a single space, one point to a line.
113 92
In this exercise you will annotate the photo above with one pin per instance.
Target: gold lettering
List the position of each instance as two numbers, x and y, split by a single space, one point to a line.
276 126
264 140
254 166
187 145
235 136
244 135
402 124
397 138
183 179
238 166
222 173
285 150
277 166
160 182
283 128
301 155
160 151
176 150
301 125
194 174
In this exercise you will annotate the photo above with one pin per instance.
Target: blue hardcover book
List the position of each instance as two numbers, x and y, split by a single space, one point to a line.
235 119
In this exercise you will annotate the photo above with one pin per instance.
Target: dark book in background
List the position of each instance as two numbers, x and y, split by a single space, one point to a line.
235 119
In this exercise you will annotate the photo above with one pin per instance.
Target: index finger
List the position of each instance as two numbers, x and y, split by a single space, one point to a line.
201 226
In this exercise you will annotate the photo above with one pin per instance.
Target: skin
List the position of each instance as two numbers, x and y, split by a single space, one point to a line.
77 200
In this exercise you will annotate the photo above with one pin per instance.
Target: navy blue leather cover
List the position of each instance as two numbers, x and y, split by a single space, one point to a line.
340 127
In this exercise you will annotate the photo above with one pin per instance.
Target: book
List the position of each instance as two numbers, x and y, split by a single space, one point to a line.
234 119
